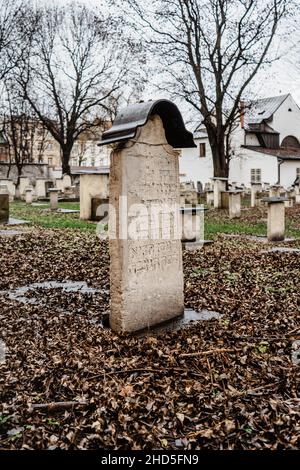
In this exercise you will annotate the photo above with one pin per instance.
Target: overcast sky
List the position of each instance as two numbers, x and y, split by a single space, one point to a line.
282 77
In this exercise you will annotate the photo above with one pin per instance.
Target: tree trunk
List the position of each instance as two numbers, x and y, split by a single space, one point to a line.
66 170
217 144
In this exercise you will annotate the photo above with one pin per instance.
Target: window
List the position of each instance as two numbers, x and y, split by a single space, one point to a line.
202 150
298 173
93 162
50 146
256 175
50 160
93 149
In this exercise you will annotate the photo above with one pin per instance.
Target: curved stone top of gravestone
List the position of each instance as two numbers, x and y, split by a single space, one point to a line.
275 199
129 119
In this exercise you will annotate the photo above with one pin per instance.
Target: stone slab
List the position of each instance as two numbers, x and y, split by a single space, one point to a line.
10 233
282 249
68 211
13 221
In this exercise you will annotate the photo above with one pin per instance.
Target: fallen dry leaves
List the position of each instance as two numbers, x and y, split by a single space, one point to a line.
148 392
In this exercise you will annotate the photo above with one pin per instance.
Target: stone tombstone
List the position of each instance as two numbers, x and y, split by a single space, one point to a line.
274 191
210 197
67 182
93 185
97 202
255 188
23 185
40 187
28 195
234 199
224 200
59 184
276 218
146 271
219 187
10 187
54 198
4 204
191 220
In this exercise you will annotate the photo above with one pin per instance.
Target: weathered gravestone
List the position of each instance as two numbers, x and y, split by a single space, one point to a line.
4 204
234 204
54 198
255 189
219 187
28 195
276 218
145 261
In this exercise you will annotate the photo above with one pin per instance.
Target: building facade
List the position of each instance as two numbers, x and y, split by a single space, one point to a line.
265 146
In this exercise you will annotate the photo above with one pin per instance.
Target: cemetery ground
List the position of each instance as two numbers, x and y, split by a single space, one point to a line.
69 382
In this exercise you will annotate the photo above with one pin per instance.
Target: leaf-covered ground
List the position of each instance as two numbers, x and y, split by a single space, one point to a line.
220 384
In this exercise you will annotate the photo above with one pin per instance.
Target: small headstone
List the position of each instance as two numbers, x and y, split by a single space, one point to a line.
219 187
255 188
53 198
276 218
28 195
234 199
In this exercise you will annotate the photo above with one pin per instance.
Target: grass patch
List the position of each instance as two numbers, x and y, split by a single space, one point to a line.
41 217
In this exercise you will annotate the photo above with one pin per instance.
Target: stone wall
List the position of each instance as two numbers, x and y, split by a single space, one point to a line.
34 170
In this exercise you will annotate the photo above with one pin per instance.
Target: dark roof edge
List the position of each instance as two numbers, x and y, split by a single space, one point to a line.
129 119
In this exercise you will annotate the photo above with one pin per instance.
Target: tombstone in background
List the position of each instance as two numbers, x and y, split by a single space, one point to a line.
145 271
67 181
296 194
49 184
188 193
97 202
219 187
276 218
255 188
28 195
4 204
274 190
192 227
10 187
225 200
93 185
59 184
210 197
199 187
234 200
23 184
40 188
54 198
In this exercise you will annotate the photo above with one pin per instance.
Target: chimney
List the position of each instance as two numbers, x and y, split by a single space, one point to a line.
242 113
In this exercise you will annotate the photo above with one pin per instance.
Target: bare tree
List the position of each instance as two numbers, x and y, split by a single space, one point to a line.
74 73
210 51
20 127
17 24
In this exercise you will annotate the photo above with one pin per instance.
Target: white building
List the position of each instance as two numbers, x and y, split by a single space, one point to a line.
265 146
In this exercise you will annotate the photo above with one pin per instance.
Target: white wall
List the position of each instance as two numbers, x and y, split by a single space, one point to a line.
288 172
287 122
194 167
241 165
